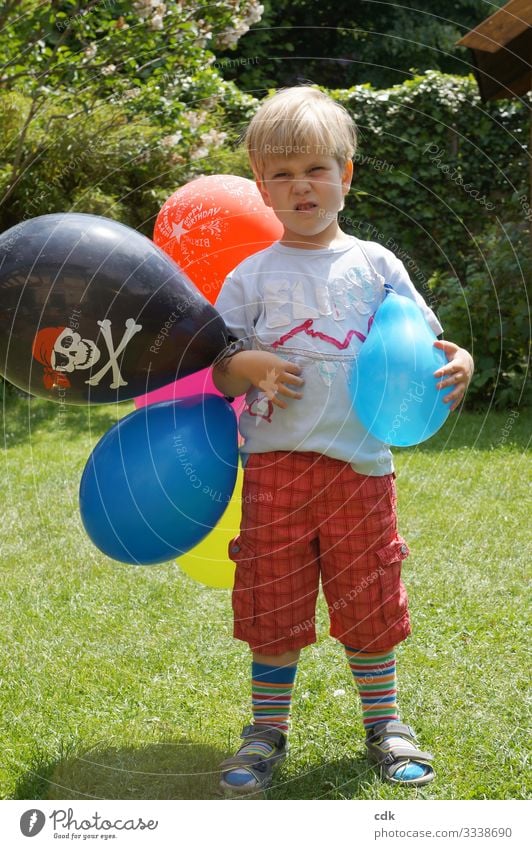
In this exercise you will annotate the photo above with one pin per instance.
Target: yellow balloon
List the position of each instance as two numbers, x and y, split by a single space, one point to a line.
209 562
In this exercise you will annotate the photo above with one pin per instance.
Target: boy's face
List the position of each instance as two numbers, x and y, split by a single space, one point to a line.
306 191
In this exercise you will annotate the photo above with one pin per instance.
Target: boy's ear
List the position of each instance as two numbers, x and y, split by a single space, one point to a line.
263 192
347 175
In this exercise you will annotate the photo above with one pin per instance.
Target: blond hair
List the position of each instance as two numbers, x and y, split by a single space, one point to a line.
301 119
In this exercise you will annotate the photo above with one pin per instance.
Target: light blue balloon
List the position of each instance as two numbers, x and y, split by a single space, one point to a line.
393 383
159 480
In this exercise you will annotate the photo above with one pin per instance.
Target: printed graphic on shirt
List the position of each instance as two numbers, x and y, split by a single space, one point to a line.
306 328
286 301
308 310
261 408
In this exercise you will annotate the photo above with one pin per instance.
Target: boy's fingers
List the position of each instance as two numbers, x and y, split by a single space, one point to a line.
292 367
284 390
451 378
447 347
292 378
453 401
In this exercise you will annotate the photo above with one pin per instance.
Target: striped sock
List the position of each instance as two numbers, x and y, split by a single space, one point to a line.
375 678
271 698
271 694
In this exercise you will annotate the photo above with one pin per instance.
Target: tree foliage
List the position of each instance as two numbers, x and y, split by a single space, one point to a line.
85 86
341 43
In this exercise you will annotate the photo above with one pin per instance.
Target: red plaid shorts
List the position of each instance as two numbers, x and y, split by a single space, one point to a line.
305 515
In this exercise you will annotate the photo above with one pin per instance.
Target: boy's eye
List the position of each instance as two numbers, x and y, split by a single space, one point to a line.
279 174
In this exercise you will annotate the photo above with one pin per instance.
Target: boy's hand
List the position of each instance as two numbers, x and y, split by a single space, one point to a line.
270 373
457 373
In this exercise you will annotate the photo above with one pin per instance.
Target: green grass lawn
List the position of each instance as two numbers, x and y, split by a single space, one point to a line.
122 682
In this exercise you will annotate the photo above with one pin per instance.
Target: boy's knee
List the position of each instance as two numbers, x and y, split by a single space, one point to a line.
285 659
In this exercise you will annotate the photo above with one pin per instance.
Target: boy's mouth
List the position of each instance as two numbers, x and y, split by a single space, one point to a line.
307 206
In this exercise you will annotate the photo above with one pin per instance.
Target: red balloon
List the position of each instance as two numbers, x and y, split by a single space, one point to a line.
212 224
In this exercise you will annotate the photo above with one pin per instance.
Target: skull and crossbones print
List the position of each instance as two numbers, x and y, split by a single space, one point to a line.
62 351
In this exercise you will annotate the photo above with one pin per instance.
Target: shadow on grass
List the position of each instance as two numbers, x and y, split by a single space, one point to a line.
182 770
345 778
24 418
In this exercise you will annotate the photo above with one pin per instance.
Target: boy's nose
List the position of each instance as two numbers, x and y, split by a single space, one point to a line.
301 186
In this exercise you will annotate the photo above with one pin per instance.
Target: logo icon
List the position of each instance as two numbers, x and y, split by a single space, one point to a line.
32 822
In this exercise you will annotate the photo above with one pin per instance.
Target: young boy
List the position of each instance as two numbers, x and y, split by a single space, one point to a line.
319 493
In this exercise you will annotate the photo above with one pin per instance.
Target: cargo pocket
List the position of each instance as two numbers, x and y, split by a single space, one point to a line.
243 597
394 596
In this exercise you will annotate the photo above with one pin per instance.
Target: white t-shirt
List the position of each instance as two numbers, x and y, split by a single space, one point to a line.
312 307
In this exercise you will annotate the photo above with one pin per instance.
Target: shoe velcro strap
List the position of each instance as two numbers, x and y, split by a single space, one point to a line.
409 752
244 761
267 734
392 727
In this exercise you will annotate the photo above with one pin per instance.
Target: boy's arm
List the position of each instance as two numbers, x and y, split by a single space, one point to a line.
235 374
457 373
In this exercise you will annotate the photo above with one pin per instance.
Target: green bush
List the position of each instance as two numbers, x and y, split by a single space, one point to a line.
107 161
435 167
487 310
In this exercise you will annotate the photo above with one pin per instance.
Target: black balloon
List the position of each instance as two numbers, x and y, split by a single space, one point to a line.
92 311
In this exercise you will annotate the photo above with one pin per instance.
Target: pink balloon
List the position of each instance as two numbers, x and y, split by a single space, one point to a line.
200 382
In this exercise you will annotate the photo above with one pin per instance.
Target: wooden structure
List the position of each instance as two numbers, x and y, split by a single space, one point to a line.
502 54
502 51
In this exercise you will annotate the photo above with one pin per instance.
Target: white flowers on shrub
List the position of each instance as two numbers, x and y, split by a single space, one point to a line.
173 140
247 13
194 119
151 11
156 22
145 8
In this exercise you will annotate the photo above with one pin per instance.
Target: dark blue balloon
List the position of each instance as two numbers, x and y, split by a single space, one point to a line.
159 480
394 388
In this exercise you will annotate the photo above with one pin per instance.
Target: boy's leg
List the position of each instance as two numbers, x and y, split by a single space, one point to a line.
361 554
274 596
272 680
376 680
